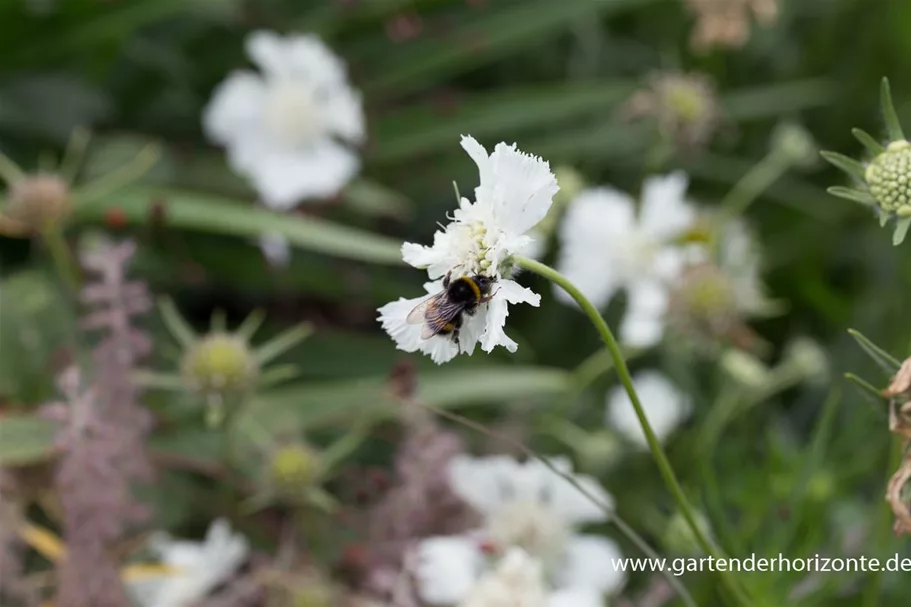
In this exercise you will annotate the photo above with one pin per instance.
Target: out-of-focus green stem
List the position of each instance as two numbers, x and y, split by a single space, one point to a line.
756 181
63 261
664 465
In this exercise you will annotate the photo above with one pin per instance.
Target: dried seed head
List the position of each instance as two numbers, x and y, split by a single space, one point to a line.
39 201
727 22
685 106
901 383
220 364
889 178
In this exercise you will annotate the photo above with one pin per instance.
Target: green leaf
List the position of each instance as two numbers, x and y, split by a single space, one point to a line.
372 199
175 322
504 113
848 165
893 126
492 34
209 213
776 99
882 358
867 389
308 405
25 439
872 145
865 198
901 229
281 343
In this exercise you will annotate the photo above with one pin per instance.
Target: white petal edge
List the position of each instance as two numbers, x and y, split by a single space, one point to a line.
665 211
592 562
446 569
664 405
483 483
235 108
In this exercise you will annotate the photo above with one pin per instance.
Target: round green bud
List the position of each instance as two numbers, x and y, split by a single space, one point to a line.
889 177
293 468
315 594
679 538
220 363
599 451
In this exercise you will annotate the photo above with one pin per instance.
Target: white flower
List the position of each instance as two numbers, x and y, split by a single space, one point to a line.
289 129
198 567
664 405
527 506
606 246
515 193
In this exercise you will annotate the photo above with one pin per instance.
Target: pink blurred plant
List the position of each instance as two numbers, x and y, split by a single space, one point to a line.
103 435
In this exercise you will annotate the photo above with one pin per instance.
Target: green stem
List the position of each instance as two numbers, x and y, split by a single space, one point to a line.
654 444
63 261
882 529
756 181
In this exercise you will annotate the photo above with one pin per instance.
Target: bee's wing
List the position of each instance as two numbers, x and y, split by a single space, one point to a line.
418 314
435 313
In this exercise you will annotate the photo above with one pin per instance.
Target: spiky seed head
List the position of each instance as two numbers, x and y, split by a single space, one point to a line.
220 363
293 468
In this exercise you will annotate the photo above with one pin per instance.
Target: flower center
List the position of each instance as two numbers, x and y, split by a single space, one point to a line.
889 178
293 114
531 526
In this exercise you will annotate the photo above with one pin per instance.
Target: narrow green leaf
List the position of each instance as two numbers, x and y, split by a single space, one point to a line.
25 439
872 145
211 213
282 343
251 324
893 126
882 358
866 388
309 405
776 99
159 381
883 218
372 199
848 165
901 229
176 323
219 321
276 375
852 194
477 41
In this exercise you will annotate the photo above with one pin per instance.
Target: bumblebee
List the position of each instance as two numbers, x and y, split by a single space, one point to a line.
442 314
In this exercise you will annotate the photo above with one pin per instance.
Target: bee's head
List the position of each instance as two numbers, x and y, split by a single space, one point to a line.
484 282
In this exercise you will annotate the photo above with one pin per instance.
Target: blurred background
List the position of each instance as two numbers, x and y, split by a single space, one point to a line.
610 92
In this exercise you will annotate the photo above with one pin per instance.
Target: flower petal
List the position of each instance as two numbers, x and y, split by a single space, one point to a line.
235 108
284 176
276 249
523 188
592 562
301 57
665 211
643 324
575 597
515 293
446 569
534 481
665 408
588 235
483 483
494 335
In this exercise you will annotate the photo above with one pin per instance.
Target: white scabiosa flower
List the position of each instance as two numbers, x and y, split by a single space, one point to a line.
606 246
515 194
290 128
529 507
665 407
286 128
198 567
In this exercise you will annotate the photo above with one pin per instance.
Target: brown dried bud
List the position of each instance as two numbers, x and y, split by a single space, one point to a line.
901 382
39 201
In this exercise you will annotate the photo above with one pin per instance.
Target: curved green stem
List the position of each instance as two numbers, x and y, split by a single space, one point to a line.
756 181
63 260
654 444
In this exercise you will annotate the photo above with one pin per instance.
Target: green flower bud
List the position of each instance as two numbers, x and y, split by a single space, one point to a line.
39 202
293 468
599 451
796 144
707 293
746 369
221 364
315 593
889 178
678 537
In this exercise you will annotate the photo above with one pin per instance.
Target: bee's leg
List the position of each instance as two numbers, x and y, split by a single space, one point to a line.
487 298
447 279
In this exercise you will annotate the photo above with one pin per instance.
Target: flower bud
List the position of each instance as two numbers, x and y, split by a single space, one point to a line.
220 364
599 451
795 143
808 358
293 468
889 178
746 369
678 537
39 201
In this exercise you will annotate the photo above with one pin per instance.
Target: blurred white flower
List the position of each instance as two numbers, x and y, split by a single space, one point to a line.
287 128
526 506
199 567
514 195
665 408
607 246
